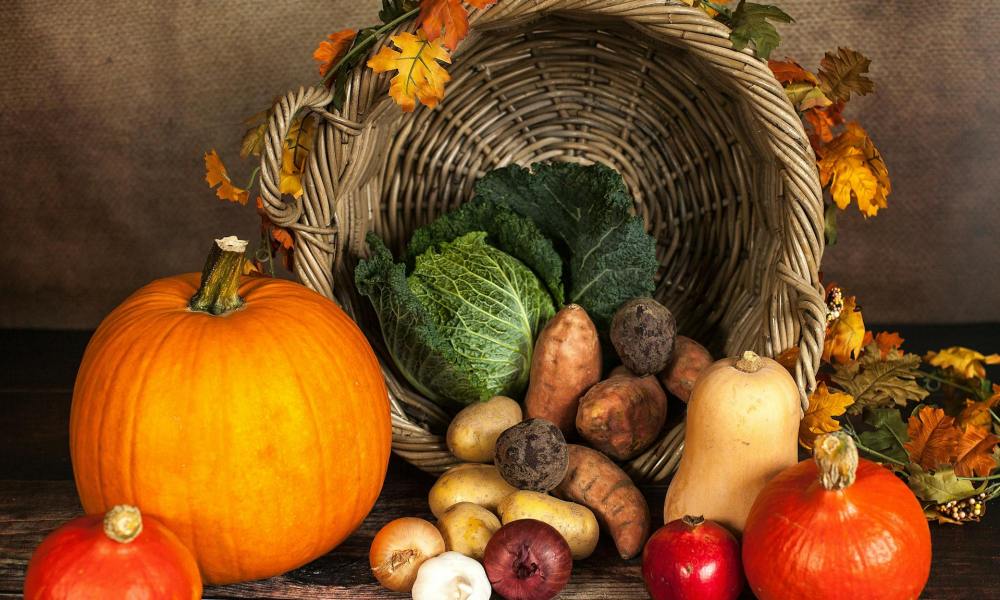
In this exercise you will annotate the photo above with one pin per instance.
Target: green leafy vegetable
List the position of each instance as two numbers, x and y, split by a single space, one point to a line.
941 486
750 23
586 211
877 382
461 327
510 232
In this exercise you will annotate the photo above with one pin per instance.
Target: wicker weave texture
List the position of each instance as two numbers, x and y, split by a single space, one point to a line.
713 152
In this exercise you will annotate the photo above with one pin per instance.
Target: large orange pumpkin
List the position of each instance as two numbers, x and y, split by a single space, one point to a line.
254 423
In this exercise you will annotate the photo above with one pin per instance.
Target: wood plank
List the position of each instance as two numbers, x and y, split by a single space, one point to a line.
966 559
29 510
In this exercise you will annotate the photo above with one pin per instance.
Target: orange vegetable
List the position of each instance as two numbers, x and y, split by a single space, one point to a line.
836 527
249 414
119 556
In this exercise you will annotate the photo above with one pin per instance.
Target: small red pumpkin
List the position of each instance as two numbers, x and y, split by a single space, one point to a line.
836 527
121 555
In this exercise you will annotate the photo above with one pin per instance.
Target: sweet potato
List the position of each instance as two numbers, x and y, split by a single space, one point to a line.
687 362
566 362
599 484
622 416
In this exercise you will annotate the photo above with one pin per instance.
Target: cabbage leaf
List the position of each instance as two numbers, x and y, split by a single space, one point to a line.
505 229
461 327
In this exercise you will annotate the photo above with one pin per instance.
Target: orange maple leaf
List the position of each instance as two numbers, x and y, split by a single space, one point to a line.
216 175
977 414
481 4
789 358
281 235
974 456
845 334
279 238
854 169
789 71
333 49
444 17
933 438
822 120
887 342
420 75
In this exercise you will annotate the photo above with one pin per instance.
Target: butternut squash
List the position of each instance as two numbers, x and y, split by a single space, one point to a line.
742 426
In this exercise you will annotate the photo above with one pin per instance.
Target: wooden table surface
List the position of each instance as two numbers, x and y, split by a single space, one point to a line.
37 493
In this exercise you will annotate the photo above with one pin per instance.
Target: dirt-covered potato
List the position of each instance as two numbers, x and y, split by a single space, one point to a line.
467 528
575 522
532 455
643 332
622 415
688 360
472 434
475 483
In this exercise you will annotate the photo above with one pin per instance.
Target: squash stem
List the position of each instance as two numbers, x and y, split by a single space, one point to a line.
220 279
837 458
123 523
749 362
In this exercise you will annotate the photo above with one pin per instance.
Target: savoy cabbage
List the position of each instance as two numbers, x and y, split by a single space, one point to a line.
461 327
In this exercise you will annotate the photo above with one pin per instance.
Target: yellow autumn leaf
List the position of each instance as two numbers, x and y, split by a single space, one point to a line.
294 154
854 169
216 175
824 405
420 75
845 334
962 361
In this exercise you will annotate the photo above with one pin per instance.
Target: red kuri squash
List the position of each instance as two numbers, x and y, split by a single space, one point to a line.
117 556
834 528
249 414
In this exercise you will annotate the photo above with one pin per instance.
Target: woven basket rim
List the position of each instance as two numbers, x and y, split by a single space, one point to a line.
369 109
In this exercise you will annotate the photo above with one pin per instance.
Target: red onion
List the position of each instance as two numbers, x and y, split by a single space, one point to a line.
528 560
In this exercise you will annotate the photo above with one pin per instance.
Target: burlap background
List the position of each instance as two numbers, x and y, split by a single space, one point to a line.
106 108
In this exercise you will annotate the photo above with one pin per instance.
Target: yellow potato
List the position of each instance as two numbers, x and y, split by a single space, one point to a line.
466 528
478 484
575 522
473 432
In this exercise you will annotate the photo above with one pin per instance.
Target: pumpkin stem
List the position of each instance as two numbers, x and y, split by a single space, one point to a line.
123 523
837 458
220 279
749 362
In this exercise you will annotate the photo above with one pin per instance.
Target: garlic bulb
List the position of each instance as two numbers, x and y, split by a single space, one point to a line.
451 576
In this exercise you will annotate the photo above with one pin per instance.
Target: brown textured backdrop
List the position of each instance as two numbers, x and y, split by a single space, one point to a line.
107 107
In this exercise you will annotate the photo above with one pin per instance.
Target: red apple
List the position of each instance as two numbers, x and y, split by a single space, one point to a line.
692 559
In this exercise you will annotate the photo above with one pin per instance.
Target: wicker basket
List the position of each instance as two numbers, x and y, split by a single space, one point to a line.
714 154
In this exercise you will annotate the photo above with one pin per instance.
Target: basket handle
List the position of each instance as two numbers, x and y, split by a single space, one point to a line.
284 214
